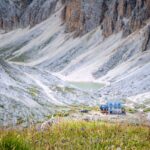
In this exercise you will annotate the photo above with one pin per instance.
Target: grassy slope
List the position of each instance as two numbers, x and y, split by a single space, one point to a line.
78 136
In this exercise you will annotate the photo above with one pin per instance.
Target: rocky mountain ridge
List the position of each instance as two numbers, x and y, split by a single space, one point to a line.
79 16
113 15
22 13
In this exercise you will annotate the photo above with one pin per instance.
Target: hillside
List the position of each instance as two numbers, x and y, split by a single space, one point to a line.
46 46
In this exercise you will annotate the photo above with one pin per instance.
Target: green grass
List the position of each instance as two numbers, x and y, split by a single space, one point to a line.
61 114
14 141
33 91
78 135
74 109
131 110
146 110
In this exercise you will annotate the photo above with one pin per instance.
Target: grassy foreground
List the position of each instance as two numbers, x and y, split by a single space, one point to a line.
78 135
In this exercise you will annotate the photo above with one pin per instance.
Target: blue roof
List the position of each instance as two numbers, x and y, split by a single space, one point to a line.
115 104
104 106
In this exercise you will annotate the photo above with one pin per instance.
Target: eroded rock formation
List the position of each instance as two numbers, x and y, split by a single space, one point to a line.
146 43
21 13
113 15
83 16
80 16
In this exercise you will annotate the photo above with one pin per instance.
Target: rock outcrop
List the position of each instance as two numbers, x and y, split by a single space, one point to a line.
83 16
113 15
22 13
146 43
80 16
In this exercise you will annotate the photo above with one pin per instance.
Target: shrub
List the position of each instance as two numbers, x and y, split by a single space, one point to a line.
131 110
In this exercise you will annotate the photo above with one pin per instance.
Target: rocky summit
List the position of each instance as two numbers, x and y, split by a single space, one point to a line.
55 54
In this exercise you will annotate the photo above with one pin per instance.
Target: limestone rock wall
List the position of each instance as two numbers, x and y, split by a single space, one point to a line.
83 16
21 13
113 15
80 16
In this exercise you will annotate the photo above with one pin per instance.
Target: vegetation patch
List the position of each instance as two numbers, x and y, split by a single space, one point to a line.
20 120
78 135
131 110
61 114
12 140
63 90
76 108
147 102
140 106
33 91
147 110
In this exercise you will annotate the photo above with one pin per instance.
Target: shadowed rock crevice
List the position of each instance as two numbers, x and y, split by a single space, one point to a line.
146 43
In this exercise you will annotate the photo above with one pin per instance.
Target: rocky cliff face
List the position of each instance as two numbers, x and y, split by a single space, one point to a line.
22 13
79 15
113 15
